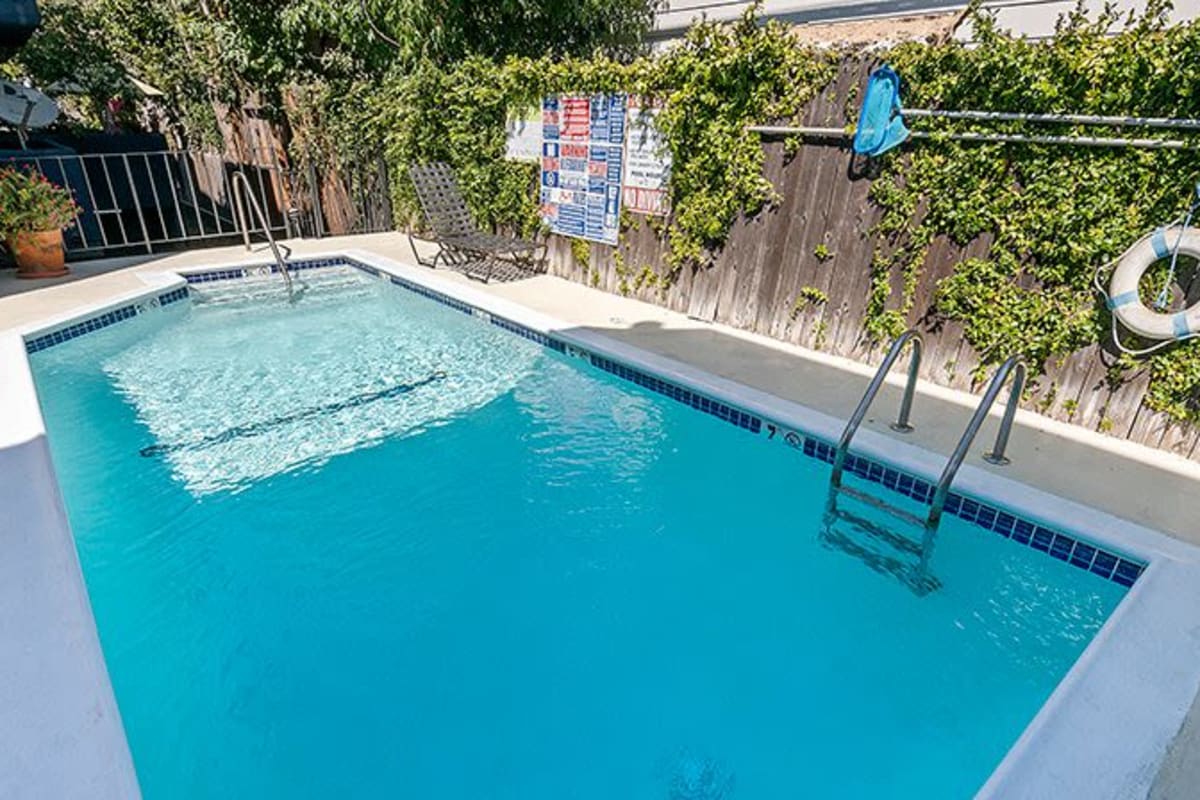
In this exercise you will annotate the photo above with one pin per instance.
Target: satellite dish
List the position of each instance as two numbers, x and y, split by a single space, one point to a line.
25 108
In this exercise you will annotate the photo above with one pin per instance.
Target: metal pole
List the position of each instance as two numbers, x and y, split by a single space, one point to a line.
241 215
137 202
960 451
241 181
1078 141
112 195
175 198
157 200
87 181
843 448
996 456
1060 119
1004 138
802 130
901 425
187 164
318 212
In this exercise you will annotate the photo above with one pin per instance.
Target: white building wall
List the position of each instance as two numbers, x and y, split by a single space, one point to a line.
1033 18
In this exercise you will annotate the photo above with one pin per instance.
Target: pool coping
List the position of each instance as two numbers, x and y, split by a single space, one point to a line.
1094 696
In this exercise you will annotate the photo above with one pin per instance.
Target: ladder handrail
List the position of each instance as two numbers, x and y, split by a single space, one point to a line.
240 179
901 424
995 456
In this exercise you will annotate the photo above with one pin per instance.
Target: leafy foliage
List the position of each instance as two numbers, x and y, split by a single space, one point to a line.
720 79
65 50
213 56
30 203
1052 213
444 31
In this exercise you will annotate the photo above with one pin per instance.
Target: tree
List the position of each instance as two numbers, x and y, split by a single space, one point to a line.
444 31
211 57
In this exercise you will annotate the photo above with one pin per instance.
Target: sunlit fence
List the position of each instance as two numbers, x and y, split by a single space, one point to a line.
164 200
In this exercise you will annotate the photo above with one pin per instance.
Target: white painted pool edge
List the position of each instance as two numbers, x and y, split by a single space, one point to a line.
60 728
1097 736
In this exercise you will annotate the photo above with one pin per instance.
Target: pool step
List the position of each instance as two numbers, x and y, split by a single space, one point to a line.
261 288
881 505
896 553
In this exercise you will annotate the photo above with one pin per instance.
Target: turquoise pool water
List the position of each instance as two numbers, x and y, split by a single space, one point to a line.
368 546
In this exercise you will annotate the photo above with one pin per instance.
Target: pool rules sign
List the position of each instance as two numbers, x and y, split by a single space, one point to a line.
583 143
647 161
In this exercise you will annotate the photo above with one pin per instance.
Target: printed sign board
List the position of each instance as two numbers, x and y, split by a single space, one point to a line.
583 142
647 162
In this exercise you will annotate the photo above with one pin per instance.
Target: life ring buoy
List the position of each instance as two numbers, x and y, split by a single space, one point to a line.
1123 298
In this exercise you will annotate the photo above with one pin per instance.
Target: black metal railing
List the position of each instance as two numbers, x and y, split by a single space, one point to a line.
164 199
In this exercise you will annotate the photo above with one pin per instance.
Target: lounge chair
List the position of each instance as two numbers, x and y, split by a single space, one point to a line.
461 243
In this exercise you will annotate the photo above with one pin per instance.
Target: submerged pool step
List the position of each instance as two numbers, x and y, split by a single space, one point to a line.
337 284
876 544
882 505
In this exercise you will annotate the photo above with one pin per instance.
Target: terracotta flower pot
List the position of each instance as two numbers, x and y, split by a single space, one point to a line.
39 254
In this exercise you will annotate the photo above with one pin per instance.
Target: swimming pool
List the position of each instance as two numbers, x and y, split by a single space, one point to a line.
371 541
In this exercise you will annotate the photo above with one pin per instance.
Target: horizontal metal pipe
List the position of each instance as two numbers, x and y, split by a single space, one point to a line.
784 130
1079 141
1065 119
101 156
1009 138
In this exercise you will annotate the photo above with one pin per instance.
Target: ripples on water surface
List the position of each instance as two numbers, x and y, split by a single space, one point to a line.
520 579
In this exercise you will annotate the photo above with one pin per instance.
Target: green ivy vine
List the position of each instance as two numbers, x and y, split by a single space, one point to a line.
1052 214
720 79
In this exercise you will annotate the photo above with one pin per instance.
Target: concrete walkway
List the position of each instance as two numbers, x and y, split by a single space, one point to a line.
1146 486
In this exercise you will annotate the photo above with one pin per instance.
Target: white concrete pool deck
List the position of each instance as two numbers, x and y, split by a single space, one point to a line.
1090 473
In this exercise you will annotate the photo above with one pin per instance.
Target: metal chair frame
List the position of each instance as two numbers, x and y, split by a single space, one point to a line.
461 243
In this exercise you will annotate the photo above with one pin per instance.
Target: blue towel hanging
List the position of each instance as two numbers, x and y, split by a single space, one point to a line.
880 126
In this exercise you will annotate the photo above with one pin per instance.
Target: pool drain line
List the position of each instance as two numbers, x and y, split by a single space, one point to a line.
256 428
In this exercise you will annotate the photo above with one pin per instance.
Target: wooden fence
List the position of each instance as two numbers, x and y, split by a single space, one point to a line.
756 280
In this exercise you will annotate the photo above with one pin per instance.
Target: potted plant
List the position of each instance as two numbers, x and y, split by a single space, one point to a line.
33 213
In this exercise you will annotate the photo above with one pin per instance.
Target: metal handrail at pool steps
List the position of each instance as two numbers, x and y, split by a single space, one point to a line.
1014 366
240 181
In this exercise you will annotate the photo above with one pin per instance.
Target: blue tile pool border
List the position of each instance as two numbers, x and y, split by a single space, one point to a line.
680 394
103 320
1071 550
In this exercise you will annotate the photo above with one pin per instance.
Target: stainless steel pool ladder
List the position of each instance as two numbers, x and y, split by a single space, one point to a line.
1013 366
901 425
240 180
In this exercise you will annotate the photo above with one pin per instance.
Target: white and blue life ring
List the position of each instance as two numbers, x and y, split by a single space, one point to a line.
1123 298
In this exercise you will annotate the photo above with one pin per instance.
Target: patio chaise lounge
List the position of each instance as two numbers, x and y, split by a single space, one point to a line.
461 243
